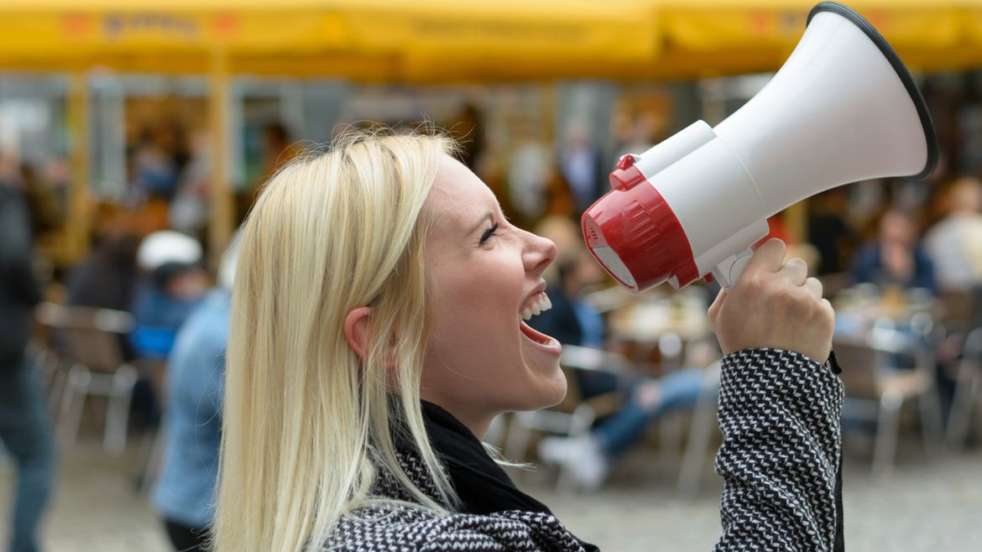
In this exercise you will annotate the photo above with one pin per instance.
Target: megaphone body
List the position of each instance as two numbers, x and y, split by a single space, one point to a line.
842 109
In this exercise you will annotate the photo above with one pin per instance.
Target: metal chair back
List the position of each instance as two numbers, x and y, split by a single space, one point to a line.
89 336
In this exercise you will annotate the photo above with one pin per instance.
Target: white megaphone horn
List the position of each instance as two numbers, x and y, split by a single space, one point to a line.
843 108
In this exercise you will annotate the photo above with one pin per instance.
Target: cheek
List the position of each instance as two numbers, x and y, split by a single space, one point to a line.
475 315
478 306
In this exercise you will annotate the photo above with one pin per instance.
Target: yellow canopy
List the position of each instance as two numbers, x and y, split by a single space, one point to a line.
394 40
449 40
713 37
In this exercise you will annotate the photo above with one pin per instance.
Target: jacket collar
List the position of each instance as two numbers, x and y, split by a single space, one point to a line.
482 486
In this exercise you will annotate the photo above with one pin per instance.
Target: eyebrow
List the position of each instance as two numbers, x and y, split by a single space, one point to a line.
488 216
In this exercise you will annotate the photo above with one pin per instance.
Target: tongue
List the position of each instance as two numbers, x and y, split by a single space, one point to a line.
529 332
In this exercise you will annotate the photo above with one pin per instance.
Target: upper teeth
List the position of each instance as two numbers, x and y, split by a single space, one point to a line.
537 304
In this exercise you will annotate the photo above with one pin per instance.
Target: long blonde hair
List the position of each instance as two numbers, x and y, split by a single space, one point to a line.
307 425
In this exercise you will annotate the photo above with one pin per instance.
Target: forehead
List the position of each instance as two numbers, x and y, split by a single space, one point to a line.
458 199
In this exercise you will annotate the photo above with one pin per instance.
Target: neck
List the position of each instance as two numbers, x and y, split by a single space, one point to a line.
476 422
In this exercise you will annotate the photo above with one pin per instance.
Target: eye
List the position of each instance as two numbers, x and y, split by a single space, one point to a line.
488 234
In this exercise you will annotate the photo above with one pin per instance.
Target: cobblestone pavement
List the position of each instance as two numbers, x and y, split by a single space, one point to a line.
925 505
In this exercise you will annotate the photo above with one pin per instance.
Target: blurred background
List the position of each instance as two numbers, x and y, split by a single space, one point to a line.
134 137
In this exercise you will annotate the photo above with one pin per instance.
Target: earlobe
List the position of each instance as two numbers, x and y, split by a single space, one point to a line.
356 330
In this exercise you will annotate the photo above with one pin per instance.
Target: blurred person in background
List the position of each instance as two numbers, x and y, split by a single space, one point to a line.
25 431
530 172
107 278
185 493
829 230
573 321
581 165
154 171
954 244
171 286
46 213
189 210
278 149
467 128
895 259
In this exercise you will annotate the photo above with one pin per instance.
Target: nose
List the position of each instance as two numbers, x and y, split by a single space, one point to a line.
538 254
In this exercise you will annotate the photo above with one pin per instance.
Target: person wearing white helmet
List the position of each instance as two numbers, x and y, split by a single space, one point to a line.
173 285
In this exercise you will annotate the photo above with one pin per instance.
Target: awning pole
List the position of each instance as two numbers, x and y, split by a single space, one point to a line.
220 227
78 223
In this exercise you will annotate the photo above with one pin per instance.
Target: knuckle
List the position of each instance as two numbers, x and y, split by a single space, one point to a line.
800 264
772 248
755 284
776 244
816 284
783 300
786 295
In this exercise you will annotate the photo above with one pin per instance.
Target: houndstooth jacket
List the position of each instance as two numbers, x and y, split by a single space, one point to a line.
780 460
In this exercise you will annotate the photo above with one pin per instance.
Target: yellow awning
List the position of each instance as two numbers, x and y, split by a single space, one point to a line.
395 40
441 40
711 37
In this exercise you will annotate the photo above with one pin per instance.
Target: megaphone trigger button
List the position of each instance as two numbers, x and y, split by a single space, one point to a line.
625 179
626 161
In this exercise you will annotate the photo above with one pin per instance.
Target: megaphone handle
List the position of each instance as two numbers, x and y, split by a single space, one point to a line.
728 272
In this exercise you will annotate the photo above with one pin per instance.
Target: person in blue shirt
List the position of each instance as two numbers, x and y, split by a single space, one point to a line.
895 258
173 284
185 494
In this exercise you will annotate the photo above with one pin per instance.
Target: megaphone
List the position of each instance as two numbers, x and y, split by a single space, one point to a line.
843 108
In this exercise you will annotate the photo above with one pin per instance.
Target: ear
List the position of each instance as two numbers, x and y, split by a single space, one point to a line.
356 330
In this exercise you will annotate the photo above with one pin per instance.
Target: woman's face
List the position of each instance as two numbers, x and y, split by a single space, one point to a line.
483 272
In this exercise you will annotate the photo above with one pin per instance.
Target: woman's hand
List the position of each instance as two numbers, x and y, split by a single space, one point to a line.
774 304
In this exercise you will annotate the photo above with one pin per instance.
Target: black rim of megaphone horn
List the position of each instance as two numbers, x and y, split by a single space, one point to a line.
902 72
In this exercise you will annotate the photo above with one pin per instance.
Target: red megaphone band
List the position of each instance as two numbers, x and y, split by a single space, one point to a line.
638 224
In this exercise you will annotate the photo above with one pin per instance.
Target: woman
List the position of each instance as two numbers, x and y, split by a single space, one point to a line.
376 332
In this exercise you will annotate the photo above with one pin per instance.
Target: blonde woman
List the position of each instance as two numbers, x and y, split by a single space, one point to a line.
377 330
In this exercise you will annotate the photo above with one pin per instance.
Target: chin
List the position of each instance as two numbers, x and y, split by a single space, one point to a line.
560 394
551 392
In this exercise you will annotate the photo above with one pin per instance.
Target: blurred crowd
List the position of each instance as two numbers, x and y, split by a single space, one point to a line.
149 262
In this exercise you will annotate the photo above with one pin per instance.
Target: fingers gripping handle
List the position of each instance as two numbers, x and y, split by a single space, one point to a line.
727 265
728 272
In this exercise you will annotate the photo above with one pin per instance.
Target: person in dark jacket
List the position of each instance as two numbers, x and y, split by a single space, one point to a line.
895 258
25 431
377 329
107 278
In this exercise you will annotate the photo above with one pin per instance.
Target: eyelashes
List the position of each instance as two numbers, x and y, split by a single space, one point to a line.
488 234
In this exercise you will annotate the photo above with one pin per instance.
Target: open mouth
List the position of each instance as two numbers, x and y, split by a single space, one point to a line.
536 336
537 304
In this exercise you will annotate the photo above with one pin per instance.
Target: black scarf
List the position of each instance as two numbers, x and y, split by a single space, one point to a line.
482 486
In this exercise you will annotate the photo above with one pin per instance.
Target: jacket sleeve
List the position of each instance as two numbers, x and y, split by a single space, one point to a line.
780 457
